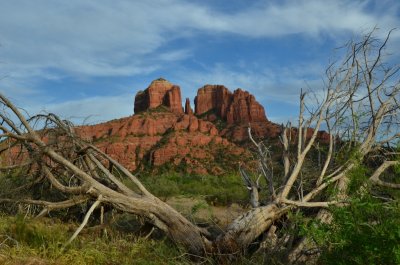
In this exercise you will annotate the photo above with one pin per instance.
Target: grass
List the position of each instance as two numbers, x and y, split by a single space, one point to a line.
28 241
31 241
41 242
218 190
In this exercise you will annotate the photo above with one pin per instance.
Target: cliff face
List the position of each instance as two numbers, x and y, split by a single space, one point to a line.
160 92
244 109
212 97
237 110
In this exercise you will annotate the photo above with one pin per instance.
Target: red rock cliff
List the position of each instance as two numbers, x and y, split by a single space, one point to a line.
160 92
244 109
235 108
213 97
201 143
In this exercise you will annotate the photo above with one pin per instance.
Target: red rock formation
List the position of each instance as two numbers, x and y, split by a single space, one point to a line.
244 109
260 130
193 125
212 97
188 108
171 137
237 108
173 100
133 139
160 92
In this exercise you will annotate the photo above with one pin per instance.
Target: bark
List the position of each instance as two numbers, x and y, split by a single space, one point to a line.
247 228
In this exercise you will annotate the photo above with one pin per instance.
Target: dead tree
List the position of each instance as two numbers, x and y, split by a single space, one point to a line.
359 105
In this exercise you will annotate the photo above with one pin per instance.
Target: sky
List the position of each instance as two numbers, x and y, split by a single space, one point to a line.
85 60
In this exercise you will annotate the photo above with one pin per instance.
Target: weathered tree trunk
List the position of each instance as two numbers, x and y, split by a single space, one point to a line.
167 219
248 227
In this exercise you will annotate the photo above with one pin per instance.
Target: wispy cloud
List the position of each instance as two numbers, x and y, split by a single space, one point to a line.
43 41
90 110
276 88
274 83
118 38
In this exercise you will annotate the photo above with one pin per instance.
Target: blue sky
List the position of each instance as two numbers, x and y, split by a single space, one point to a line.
85 60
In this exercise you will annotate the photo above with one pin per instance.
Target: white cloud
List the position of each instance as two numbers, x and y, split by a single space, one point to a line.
273 83
50 40
276 88
90 110
100 38
310 17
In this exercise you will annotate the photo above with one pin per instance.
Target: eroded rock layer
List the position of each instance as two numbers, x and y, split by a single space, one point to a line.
161 138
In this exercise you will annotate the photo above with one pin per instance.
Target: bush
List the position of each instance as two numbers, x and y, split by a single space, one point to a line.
366 232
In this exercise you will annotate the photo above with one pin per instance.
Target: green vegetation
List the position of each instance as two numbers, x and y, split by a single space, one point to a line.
152 113
366 231
27 241
221 190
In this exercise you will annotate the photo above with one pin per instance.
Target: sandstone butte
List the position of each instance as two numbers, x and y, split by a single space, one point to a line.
160 92
160 133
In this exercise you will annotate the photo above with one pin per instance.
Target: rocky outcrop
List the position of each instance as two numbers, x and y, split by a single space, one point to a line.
188 108
244 109
239 107
160 92
214 98
214 103
208 142
236 110
173 100
260 130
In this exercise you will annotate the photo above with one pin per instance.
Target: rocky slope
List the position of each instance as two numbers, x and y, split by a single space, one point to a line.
159 137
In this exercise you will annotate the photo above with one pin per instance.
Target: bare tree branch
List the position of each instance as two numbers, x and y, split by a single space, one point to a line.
378 172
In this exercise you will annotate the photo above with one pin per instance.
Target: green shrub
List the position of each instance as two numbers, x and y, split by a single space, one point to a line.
366 231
